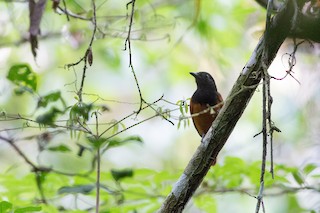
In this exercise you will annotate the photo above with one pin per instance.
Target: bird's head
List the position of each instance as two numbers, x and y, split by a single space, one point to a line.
204 80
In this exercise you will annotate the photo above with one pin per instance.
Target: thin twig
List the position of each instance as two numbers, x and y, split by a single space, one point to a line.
270 122
265 85
71 14
272 127
133 125
269 101
38 177
163 115
54 126
17 149
291 61
128 116
98 180
65 8
109 100
98 173
88 55
265 138
128 42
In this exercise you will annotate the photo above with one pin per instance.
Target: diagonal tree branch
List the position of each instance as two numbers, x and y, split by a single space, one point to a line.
231 112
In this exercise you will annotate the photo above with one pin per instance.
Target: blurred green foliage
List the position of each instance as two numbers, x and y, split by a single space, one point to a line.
24 77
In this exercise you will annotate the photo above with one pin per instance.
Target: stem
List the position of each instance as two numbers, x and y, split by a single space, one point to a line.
128 41
98 181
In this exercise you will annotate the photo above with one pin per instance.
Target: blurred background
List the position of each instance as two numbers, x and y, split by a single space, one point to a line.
169 39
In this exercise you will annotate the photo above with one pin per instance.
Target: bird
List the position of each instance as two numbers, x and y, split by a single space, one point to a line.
205 97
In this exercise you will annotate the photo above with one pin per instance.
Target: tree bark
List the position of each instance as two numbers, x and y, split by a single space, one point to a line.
232 110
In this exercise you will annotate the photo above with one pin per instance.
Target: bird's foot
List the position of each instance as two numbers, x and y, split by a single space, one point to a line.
202 137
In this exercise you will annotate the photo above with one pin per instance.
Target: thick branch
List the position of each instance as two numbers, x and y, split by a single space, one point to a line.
232 110
307 22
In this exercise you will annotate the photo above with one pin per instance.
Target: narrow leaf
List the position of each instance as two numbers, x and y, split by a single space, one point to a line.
179 123
186 107
28 209
309 168
298 178
83 189
133 139
181 108
60 148
120 174
120 142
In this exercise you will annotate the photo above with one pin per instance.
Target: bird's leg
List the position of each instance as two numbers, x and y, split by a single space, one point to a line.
202 137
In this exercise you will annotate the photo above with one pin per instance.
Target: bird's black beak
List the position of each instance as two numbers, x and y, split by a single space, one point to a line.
194 74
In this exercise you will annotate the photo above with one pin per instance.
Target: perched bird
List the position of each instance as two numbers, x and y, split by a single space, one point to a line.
202 99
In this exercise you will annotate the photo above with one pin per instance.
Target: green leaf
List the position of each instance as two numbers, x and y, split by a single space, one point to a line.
49 117
52 97
186 107
83 189
309 168
298 178
4 206
181 108
60 148
133 138
96 142
120 174
80 110
120 142
23 76
284 168
179 123
232 172
28 209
